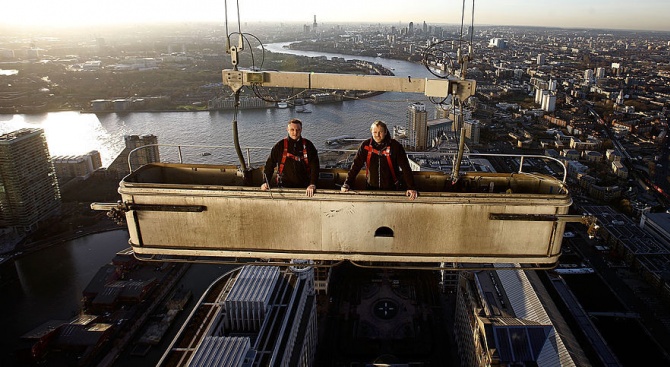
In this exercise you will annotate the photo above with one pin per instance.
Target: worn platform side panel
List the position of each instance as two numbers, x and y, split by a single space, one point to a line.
373 226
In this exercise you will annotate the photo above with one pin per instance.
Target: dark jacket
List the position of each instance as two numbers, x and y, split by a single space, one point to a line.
379 173
295 173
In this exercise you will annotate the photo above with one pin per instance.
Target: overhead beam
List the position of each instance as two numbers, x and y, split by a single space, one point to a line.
440 88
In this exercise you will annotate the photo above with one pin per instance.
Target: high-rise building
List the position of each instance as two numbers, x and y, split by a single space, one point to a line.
417 126
148 154
538 95
500 321
437 128
29 190
472 130
588 76
264 316
548 102
71 166
458 118
96 159
442 111
497 42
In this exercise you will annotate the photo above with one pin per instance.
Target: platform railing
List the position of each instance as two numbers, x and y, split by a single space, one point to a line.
256 156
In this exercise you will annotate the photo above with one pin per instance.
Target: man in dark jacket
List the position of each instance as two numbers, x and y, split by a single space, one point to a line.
296 159
385 161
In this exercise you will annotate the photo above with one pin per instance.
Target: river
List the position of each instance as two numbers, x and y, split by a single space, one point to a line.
72 132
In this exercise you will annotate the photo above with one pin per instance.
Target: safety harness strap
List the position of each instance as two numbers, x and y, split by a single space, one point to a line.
286 154
384 152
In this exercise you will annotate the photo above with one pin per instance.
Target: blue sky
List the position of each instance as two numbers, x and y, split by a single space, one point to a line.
612 14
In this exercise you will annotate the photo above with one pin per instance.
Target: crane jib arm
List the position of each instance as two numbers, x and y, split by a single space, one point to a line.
442 88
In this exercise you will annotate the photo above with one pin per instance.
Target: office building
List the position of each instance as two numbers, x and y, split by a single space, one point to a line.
417 126
29 191
658 226
497 43
263 316
500 321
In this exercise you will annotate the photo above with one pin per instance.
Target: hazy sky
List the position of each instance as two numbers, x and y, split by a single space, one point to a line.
610 14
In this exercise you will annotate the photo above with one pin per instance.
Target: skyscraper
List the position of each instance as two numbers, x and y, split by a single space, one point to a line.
29 190
417 126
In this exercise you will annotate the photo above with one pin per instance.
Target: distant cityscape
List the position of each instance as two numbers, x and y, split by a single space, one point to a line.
594 100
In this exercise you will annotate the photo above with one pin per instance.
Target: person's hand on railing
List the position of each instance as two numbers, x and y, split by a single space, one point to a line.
310 190
412 194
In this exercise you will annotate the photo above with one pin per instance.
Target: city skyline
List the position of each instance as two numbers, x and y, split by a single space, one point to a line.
644 15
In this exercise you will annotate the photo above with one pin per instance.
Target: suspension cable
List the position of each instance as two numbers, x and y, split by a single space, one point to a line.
472 24
225 7
236 139
234 55
460 38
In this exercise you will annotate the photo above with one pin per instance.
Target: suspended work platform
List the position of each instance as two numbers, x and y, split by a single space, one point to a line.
175 210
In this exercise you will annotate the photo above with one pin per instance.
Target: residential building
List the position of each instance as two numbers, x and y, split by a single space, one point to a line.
29 191
417 126
472 130
148 154
76 166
